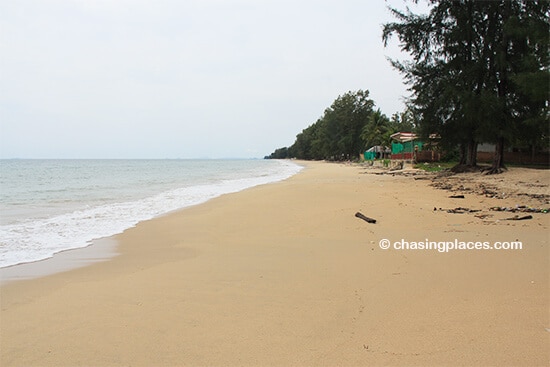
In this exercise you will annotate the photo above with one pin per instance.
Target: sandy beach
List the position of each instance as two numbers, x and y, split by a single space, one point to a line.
284 274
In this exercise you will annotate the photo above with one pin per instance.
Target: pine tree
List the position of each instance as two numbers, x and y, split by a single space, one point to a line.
472 66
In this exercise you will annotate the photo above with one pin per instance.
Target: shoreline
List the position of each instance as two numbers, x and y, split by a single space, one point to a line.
102 249
99 249
285 275
94 208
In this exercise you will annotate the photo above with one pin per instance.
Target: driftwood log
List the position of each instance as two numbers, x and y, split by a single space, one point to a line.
365 218
517 217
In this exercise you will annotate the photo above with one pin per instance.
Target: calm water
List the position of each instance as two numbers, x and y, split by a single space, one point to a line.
47 206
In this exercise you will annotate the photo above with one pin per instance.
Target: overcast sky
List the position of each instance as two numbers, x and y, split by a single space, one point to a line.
183 78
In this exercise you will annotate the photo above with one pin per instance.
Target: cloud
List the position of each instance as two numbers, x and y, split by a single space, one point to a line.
182 78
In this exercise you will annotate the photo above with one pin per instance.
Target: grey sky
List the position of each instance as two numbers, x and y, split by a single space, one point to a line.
183 78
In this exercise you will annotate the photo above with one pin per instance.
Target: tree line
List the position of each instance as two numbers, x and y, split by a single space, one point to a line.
348 126
479 73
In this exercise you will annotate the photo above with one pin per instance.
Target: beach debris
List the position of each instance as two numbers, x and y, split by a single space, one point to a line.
442 185
365 218
517 217
483 216
457 196
397 167
488 191
536 196
520 209
460 210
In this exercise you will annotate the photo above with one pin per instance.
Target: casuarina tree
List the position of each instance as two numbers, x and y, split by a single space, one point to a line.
479 71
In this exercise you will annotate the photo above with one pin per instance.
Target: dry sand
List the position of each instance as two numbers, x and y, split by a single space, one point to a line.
285 275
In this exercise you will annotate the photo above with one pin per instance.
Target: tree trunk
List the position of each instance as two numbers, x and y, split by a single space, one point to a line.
502 69
498 159
465 161
462 155
471 158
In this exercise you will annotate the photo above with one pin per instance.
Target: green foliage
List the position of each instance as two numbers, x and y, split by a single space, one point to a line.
337 134
479 71
347 128
377 130
281 153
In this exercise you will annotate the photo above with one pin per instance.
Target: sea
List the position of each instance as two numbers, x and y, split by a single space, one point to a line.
48 206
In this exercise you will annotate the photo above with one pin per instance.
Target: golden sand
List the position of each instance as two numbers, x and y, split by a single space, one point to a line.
285 275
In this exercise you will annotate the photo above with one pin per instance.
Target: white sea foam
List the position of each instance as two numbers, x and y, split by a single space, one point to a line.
42 235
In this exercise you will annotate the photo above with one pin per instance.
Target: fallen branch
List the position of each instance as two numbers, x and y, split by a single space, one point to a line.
457 196
366 219
517 217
